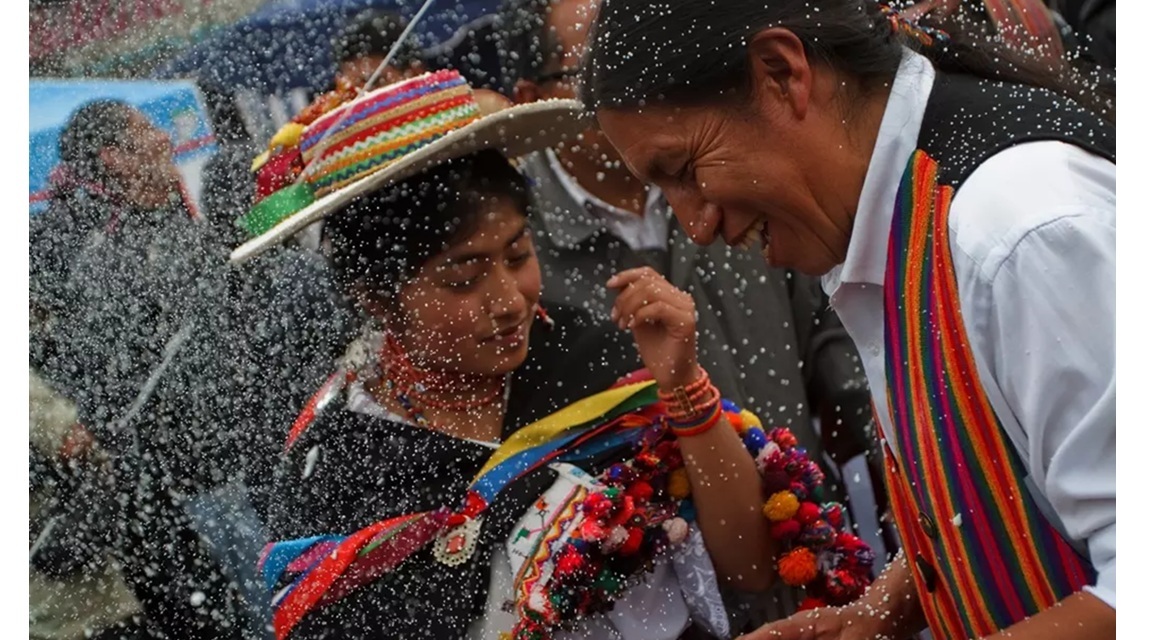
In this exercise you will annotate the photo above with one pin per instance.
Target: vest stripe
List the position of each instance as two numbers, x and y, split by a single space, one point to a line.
919 202
997 559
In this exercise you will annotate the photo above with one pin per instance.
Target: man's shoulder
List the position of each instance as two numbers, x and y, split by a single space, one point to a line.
1025 189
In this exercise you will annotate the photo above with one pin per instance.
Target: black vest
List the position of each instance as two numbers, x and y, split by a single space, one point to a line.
968 120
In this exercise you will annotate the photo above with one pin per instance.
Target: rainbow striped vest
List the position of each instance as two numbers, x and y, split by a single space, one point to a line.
984 555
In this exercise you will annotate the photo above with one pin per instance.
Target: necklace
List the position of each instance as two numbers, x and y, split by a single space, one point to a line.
408 385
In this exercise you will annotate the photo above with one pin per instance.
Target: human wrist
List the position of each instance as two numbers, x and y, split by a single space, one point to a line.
679 377
693 407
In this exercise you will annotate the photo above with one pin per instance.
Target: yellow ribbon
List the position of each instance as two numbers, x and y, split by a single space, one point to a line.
578 413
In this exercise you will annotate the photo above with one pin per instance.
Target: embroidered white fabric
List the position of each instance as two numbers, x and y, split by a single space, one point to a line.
682 588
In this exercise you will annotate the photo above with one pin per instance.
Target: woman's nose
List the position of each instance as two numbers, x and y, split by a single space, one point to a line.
506 298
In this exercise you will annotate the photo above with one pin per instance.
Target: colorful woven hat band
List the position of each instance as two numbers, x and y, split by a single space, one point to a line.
352 140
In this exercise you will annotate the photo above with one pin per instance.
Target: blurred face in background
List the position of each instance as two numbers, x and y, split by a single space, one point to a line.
563 36
142 163
356 71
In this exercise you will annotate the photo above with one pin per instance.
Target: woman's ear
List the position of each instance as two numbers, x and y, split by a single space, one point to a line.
781 74
372 303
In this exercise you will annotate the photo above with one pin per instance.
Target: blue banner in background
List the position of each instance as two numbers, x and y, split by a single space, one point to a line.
176 107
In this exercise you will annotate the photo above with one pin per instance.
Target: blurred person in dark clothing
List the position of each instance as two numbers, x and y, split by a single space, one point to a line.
75 589
289 321
130 298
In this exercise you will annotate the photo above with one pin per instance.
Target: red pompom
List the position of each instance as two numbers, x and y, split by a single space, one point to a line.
635 539
775 481
811 603
596 506
785 530
570 562
592 531
640 491
278 172
807 513
848 543
835 516
624 512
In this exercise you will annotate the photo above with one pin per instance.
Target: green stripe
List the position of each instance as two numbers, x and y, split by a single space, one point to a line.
275 208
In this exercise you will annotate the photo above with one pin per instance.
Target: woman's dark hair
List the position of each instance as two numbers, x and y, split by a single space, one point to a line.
373 33
689 51
92 128
382 239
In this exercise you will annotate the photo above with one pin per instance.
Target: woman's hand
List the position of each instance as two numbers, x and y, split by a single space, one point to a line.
662 319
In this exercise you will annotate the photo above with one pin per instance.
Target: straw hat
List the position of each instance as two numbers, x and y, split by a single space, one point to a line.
491 123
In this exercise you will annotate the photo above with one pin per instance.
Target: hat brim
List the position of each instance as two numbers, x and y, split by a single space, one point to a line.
515 131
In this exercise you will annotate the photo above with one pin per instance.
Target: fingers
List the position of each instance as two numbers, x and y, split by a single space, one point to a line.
648 291
630 276
660 313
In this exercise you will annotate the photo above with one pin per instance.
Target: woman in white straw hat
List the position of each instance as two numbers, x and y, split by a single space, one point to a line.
478 467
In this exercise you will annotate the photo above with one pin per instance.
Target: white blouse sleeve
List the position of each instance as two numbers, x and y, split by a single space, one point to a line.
1046 295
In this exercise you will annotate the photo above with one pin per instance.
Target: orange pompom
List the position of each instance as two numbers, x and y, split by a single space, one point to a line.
797 567
781 506
736 420
678 485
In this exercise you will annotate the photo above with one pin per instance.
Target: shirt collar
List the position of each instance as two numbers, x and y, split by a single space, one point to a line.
569 226
899 132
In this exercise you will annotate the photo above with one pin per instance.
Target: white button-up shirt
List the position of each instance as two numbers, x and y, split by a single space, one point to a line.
1033 238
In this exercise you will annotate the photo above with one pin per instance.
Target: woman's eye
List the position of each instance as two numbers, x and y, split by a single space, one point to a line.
687 172
461 284
519 259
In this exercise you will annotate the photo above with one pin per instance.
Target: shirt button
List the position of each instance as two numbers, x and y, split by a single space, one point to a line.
874 349
927 573
928 526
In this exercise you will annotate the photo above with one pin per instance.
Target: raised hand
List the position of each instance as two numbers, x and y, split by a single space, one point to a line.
662 319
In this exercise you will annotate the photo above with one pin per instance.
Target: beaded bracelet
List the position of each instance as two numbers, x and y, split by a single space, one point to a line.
699 425
693 400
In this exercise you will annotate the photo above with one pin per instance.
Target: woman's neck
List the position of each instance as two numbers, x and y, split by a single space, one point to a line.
450 410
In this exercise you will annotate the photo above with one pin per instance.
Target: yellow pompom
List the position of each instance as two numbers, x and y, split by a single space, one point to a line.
750 419
678 485
781 506
288 136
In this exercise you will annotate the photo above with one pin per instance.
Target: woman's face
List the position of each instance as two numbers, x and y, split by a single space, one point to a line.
470 308
745 177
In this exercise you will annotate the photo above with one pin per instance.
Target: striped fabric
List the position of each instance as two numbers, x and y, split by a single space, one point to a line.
384 125
1026 24
984 556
